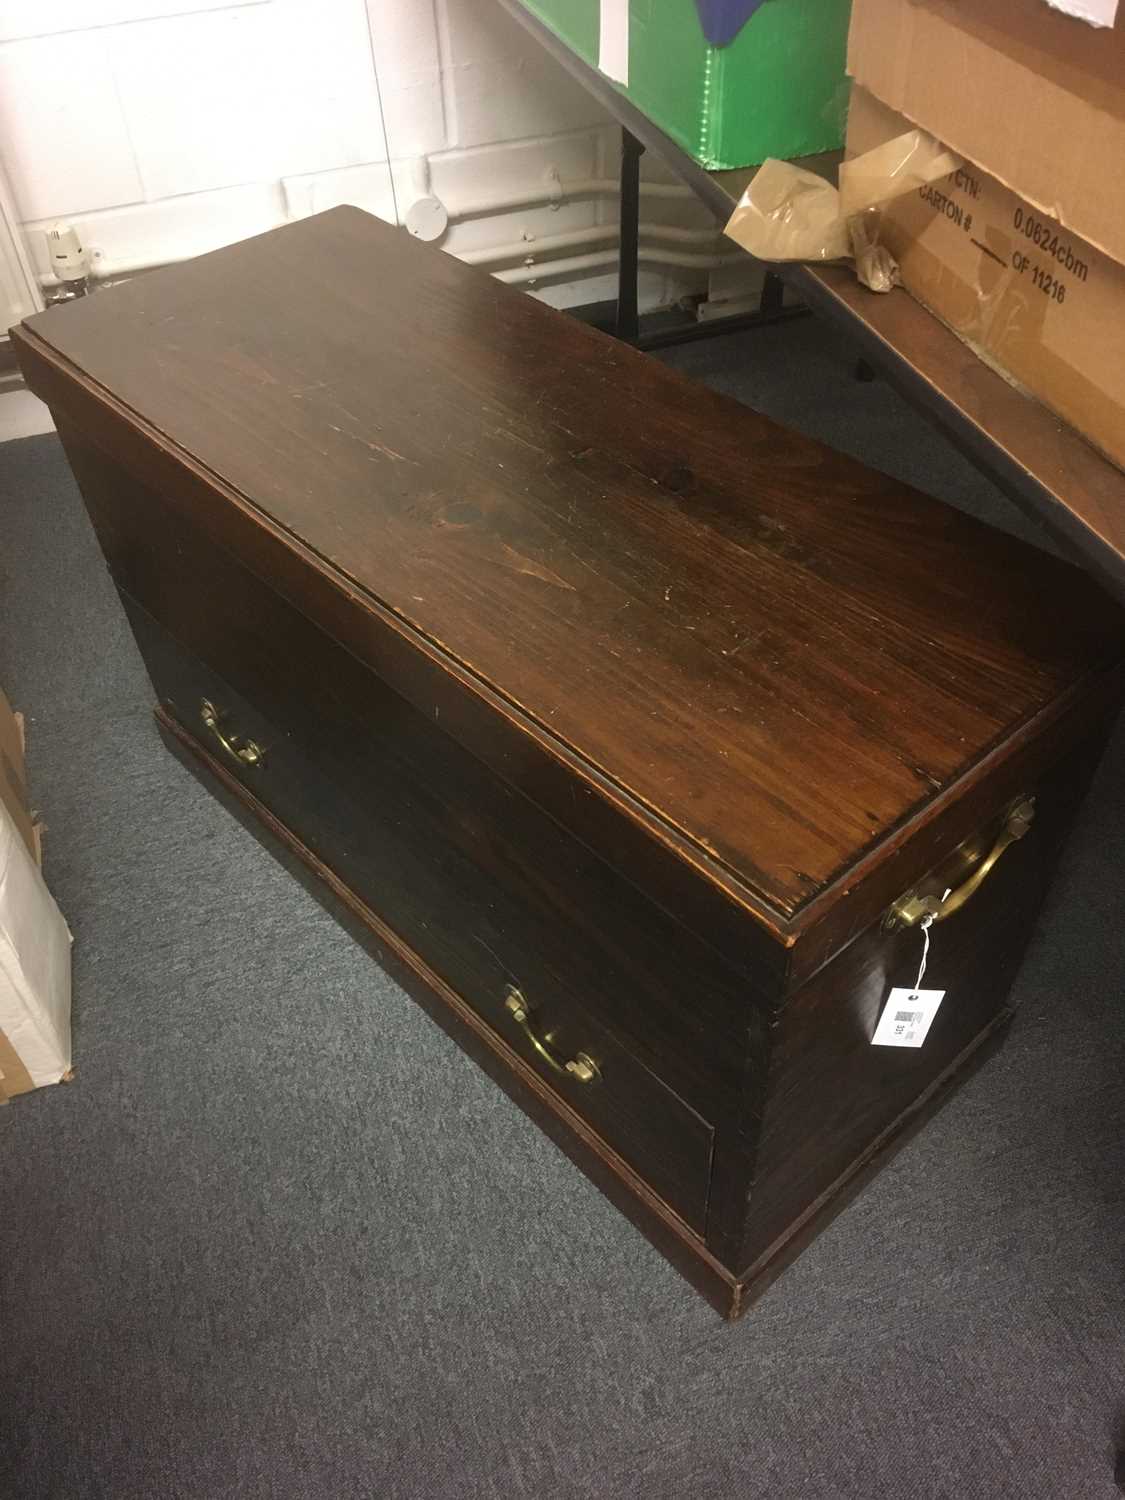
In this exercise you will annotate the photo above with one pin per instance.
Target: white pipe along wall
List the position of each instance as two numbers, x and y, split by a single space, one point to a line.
535 246
467 120
521 275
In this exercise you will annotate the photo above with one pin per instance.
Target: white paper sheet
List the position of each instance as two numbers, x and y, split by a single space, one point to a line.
613 40
1095 12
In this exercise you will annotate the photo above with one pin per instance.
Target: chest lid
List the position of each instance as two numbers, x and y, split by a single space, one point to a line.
771 652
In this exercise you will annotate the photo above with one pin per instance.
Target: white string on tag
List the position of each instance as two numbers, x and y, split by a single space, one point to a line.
927 923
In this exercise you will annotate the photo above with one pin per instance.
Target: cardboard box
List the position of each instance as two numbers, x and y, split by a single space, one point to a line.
34 939
1034 97
1033 300
776 88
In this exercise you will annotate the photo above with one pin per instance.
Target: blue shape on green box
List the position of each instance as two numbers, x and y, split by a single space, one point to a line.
722 20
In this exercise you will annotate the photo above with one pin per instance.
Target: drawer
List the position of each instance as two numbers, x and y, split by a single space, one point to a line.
472 919
560 921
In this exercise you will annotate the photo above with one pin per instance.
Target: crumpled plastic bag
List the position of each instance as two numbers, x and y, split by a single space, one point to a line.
788 213
875 266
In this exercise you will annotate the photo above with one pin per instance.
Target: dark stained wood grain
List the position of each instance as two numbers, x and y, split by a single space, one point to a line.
731 1295
472 873
111 453
475 929
817 1215
574 677
581 528
491 892
853 903
605 1168
830 1094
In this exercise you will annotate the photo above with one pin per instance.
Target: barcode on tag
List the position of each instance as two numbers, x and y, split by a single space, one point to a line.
906 1018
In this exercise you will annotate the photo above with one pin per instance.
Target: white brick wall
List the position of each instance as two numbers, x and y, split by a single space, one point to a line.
167 127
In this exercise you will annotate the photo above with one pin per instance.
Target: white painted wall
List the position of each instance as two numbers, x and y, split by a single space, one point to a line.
163 128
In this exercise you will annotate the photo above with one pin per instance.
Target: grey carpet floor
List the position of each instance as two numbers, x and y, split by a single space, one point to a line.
279 1239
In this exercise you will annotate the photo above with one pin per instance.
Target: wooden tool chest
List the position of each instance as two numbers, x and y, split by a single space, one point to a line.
637 734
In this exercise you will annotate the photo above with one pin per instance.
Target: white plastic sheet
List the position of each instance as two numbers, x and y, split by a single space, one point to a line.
34 966
1094 12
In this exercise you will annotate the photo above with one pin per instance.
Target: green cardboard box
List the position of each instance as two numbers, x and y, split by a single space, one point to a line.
777 89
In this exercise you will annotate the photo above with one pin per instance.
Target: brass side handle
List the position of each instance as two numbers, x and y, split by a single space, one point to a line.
244 752
581 1067
909 910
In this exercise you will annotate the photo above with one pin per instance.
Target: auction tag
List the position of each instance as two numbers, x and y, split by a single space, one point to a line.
906 1018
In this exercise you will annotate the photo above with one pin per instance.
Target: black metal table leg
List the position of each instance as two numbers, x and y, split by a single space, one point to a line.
773 295
627 326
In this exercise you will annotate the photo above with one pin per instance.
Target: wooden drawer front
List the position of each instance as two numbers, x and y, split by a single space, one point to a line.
582 929
470 929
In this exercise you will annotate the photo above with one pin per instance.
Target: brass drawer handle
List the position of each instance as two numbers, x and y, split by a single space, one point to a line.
245 752
909 910
580 1067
